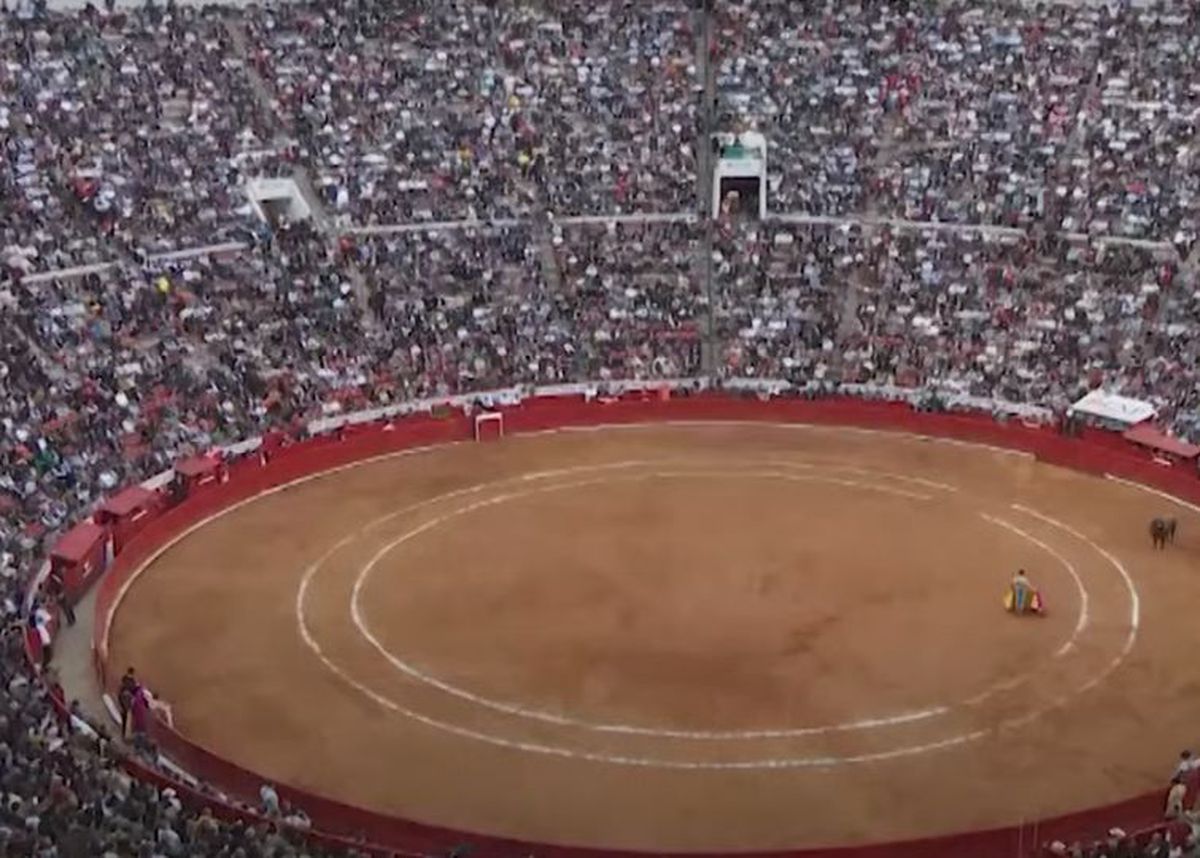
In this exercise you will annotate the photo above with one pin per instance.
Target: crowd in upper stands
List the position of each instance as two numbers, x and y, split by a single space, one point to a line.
1077 116
127 134
988 317
452 110
134 129
1168 842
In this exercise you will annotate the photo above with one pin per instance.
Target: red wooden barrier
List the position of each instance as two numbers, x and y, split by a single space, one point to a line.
80 556
127 512
1097 453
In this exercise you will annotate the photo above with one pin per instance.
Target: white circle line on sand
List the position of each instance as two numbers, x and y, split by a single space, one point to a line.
1135 601
690 765
802 426
128 584
1151 490
591 756
596 757
754 764
637 761
158 552
623 464
561 720
1081 621
512 709
863 472
807 427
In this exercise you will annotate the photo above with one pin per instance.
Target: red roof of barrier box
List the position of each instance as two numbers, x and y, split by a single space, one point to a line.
128 501
196 466
78 542
1148 436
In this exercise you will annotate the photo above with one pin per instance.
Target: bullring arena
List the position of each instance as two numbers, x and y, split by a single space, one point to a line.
660 625
599 430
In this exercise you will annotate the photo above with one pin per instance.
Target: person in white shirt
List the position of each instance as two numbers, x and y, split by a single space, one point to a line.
1175 796
1022 589
1185 765
270 800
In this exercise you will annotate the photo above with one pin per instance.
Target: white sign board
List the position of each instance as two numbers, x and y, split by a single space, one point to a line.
1113 408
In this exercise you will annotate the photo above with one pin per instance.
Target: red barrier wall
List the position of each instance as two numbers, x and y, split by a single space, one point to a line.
1095 453
80 556
127 512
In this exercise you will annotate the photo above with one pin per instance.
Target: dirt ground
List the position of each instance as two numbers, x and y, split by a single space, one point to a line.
685 637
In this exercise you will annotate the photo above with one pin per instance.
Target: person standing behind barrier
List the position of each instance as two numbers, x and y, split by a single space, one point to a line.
139 711
269 798
58 596
1175 797
1185 766
125 695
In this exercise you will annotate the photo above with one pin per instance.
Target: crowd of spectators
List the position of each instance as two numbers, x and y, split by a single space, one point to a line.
134 130
636 299
103 380
992 317
1178 836
141 125
131 129
67 794
126 133
487 307
460 110
1079 116
1176 841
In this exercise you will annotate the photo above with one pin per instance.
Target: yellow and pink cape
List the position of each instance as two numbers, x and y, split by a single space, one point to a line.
1023 600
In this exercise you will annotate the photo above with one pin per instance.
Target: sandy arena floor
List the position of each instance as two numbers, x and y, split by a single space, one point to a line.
685 637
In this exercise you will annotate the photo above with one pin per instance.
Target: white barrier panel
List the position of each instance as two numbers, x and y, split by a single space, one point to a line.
1007 234
1110 407
595 389
591 390
952 399
168 256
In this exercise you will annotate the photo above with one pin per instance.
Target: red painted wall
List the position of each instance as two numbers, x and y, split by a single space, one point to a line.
1096 453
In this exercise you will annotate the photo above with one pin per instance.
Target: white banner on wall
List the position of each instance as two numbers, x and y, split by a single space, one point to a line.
1111 408
766 387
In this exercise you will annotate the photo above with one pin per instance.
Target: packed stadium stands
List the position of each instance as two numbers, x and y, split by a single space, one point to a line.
468 160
